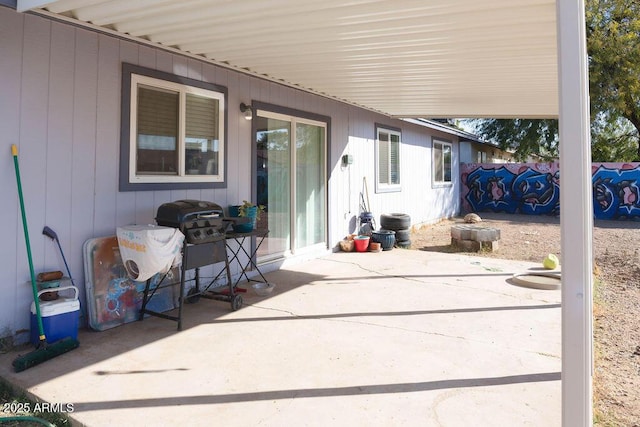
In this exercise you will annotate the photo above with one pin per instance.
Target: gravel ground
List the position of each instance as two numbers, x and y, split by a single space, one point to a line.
617 297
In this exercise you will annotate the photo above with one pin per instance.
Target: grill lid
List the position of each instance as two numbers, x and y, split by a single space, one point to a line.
173 214
200 221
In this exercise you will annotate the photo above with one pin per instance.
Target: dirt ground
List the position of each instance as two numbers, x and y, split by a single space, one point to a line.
616 297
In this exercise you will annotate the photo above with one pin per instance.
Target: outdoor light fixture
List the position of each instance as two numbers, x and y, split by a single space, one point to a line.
247 111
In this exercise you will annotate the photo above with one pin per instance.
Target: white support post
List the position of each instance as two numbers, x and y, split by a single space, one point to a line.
576 216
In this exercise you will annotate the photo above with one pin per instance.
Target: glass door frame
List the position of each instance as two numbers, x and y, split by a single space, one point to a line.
294 117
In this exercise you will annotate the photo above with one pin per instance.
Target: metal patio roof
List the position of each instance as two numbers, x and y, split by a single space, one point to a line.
404 58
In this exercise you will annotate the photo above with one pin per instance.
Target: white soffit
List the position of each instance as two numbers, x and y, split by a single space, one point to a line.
404 58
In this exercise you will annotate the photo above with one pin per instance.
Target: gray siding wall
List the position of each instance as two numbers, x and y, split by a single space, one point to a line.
60 104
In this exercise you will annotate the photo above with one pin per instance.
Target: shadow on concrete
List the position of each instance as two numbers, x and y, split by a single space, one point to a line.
447 249
96 346
319 392
389 314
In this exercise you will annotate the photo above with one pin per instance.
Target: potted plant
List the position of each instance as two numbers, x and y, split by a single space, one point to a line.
246 210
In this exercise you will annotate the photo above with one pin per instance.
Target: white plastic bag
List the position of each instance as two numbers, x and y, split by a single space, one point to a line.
149 249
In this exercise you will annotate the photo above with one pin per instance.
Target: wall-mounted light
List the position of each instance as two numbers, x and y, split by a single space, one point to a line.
246 110
347 160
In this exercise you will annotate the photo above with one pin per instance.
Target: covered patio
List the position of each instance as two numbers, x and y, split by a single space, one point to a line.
463 58
377 339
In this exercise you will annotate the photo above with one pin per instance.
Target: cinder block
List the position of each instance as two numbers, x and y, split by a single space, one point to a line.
490 246
485 234
475 232
461 232
474 246
466 245
455 233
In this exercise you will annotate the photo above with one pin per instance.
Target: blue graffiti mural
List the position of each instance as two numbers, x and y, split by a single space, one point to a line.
615 193
537 192
500 190
535 189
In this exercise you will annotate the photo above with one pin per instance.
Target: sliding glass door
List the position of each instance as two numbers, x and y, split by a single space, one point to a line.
291 183
274 182
309 185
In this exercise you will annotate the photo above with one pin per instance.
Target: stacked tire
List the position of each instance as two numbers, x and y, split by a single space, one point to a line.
401 224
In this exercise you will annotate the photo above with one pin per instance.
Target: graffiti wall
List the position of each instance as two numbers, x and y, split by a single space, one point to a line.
534 189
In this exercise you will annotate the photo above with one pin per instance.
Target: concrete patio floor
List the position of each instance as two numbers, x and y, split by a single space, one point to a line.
397 338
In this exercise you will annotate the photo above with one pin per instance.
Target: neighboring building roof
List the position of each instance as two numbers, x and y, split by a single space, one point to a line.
447 128
452 130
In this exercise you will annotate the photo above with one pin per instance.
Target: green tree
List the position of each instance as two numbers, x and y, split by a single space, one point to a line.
526 138
613 46
613 139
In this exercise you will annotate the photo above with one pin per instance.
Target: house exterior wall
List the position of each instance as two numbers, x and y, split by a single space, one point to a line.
423 200
60 104
471 152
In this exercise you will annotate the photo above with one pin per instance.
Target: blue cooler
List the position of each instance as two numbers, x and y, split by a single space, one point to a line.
60 318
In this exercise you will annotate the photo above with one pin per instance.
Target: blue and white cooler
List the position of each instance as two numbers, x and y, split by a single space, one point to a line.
60 317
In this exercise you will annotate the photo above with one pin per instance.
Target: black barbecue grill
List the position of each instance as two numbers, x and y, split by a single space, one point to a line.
199 221
204 227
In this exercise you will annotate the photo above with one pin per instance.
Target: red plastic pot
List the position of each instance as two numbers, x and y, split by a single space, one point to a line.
362 243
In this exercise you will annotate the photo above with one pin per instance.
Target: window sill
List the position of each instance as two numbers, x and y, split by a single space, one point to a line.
442 185
161 186
389 189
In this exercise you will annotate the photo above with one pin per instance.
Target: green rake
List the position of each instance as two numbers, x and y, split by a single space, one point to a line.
44 350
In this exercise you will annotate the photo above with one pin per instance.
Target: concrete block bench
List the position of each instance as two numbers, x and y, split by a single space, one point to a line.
474 238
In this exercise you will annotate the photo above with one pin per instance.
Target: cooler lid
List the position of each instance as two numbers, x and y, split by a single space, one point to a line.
56 307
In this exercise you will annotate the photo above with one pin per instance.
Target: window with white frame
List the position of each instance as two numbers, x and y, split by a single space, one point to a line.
482 157
441 162
175 135
388 159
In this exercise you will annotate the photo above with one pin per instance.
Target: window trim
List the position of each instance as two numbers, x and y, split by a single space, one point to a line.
383 187
132 74
433 163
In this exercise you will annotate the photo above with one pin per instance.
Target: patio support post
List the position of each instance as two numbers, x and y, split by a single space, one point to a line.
576 215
